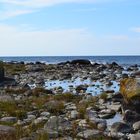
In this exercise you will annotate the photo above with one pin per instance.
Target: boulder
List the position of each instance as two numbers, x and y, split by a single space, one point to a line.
35 68
7 133
81 88
130 90
135 136
131 116
136 126
57 125
120 127
81 62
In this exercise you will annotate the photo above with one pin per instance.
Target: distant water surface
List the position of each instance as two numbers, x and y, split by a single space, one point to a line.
122 60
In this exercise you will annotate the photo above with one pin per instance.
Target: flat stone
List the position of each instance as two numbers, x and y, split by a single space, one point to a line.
40 120
89 134
9 119
45 114
115 107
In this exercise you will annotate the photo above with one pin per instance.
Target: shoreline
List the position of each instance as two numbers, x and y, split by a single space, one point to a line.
121 60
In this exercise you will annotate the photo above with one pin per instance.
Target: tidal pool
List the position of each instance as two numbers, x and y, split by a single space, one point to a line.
94 88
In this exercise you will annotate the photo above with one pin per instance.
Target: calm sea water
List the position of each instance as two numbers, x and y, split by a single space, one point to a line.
122 60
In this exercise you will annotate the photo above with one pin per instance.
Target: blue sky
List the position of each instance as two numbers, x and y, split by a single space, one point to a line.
69 27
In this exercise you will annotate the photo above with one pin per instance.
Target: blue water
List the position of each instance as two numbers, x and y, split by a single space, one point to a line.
122 60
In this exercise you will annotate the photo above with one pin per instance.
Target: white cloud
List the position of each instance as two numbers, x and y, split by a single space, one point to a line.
42 3
29 6
85 10
15 41
9 14
135 29
117 37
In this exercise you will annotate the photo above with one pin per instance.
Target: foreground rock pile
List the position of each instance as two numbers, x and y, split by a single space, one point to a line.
39 113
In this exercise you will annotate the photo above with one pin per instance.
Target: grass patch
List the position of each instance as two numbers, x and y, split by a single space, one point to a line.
11 109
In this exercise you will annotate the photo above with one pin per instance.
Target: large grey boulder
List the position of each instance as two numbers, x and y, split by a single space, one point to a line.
57 125
7 133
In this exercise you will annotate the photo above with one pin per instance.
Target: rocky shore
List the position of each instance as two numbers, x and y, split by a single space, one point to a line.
74 100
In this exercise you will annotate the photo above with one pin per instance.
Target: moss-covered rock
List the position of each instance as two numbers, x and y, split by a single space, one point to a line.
130 89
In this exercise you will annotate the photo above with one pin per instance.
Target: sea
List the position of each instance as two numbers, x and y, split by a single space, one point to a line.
122 60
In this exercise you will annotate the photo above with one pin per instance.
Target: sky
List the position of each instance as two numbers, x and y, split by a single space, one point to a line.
69 27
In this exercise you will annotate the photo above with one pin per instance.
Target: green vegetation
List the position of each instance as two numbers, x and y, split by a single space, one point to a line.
11 109
55 107
103 96
12 69
68 97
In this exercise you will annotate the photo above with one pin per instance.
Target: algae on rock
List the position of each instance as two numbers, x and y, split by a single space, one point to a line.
130 89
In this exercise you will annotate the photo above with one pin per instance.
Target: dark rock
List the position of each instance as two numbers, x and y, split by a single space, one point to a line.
120 127
124 75
131 116
35 68
114 64
117 97
65 76
1 72
81 88
109 91
25 86
64 63
81 62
